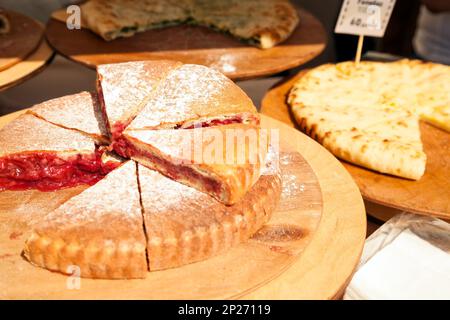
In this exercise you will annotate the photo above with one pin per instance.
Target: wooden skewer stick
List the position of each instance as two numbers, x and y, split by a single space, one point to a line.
359 49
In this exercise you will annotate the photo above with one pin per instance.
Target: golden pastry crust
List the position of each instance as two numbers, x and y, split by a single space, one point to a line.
99 232
184 225
263 23
79 112
193 94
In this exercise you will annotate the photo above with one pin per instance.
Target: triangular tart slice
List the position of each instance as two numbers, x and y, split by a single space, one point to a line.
35 154
192 96
123 89
223 161
184 225
97 234
79 111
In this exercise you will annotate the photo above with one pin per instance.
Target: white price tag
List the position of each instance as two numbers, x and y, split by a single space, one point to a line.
364 17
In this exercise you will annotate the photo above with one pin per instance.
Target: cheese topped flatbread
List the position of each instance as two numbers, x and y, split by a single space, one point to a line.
368 114
263 23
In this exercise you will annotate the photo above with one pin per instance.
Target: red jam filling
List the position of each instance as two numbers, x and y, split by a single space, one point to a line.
118 128
176 172
46 171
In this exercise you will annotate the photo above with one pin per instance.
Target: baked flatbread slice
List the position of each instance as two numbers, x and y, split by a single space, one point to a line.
195 95
384 139
263 23
223 161
112 19
81 112
123 89
98 233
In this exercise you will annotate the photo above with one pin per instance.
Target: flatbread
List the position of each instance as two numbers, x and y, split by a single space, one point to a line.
184 225
263 23
222 161
28 134
368 114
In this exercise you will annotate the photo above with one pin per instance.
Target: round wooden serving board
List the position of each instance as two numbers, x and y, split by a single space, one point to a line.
430 195
190 44
24 70
25 36
309 249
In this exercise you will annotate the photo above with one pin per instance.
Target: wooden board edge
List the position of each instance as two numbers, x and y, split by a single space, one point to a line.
337 216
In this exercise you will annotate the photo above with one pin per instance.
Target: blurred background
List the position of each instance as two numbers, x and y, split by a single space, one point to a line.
411 26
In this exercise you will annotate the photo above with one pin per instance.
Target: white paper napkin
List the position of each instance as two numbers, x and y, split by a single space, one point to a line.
407 268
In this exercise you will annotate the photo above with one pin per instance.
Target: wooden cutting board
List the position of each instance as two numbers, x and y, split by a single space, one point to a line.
309 249
24 37
190 44
430 195
28 68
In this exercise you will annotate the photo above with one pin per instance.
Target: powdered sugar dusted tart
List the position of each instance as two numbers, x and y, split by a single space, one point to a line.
263 23
194 95
188 97
222 161
180 209
79 112
98 233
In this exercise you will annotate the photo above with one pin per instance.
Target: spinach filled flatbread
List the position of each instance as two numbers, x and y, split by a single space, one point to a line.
263 23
